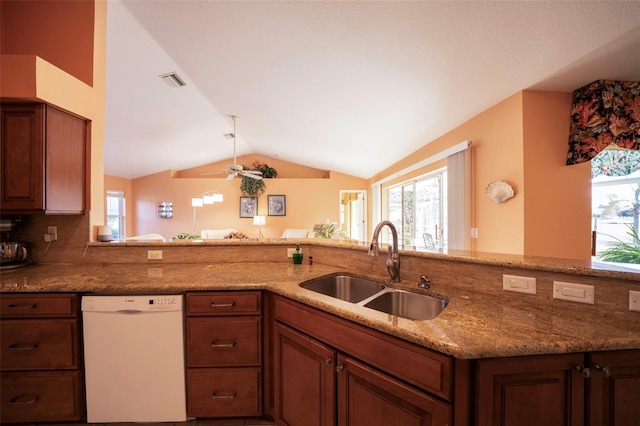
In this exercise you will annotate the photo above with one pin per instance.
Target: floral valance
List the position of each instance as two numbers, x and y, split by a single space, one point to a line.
604 112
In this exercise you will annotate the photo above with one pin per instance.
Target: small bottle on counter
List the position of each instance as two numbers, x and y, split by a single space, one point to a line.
310 260
297 256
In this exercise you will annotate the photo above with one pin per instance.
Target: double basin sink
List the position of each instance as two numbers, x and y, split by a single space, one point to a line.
374 295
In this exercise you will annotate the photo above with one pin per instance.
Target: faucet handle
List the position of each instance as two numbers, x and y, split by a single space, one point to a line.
424 282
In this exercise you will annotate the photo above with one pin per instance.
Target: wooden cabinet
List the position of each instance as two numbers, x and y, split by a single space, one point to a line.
44 160
330 371
224 354
596 389
613 388
40 358
537 390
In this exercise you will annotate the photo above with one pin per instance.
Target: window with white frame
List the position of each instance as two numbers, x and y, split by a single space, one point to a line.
116 213
418 209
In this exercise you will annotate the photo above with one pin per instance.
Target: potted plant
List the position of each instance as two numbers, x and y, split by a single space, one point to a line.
256 187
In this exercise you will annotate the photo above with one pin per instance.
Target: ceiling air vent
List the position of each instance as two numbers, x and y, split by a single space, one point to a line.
173 80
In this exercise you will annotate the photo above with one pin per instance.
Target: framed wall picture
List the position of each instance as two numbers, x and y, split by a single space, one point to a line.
277 205
248 207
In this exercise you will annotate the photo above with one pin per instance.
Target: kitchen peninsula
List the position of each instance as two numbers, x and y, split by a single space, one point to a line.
481 326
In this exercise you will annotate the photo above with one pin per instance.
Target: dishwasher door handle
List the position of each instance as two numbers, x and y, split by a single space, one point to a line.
129 311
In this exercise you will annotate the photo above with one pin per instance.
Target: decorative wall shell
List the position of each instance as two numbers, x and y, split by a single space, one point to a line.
499 191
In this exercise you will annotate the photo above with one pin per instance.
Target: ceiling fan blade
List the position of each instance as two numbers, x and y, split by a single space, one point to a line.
251 175
231 176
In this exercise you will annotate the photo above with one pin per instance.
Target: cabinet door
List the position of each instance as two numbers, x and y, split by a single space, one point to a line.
66 163
22 157
615 380
304 380
530 391
367 397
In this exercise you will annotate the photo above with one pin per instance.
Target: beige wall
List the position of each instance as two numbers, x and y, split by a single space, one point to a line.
523 141
309 200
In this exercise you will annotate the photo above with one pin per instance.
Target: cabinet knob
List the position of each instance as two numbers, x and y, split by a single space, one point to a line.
586 372
604 370
327 361
339 368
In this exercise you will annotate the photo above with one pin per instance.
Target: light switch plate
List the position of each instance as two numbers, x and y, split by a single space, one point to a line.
519 284
634 300
154 254
581 293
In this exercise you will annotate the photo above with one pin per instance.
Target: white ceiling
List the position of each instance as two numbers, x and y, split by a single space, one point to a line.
345 86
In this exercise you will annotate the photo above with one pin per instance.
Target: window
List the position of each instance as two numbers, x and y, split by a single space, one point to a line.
418 209
116 213
615 198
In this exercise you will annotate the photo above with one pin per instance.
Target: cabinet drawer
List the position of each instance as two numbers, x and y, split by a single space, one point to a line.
34 305
39 344
224 392
41 397
216 342
224 303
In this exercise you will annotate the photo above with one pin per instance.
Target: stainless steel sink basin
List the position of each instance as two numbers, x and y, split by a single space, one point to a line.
345 287
408 305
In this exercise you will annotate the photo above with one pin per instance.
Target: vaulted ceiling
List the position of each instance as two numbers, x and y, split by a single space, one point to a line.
346 86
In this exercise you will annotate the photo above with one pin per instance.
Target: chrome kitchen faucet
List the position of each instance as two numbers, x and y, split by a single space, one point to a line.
393 260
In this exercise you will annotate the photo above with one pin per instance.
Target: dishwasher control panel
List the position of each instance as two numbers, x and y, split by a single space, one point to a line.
132 303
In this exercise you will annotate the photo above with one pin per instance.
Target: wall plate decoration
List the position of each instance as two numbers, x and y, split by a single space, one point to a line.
499 191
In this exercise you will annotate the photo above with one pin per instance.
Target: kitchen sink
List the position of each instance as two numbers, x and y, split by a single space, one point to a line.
344 287
408 305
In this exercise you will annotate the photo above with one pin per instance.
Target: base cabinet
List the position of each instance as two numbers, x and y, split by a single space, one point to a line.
224 354
613 388
319 384
40 359
595 389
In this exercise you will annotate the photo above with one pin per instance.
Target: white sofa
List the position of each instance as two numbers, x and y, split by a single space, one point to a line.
215 234
297 233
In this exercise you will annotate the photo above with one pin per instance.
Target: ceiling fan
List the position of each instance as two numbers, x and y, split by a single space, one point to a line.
236 169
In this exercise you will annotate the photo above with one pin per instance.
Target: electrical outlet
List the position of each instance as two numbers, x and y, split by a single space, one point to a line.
51 235
519 284
573 292
474 232
290 252
634 300
154 254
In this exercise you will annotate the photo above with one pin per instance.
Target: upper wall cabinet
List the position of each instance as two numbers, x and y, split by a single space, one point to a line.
44 159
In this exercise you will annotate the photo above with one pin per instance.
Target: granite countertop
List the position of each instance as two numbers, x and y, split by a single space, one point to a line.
474 325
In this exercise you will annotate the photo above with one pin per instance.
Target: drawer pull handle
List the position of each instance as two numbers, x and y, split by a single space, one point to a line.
20 400
224 396
223 345
23 347
223 305
20 307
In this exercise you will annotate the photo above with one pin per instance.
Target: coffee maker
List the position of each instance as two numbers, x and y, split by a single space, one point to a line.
13 254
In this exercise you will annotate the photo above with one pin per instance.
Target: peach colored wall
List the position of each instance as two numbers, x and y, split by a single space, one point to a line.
496 136
308 201
113 183
56 86
60 32
558 197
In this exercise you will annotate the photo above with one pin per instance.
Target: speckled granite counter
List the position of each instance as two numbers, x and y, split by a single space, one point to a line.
474 325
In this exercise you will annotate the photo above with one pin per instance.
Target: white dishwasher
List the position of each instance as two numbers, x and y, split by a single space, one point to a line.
134 358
